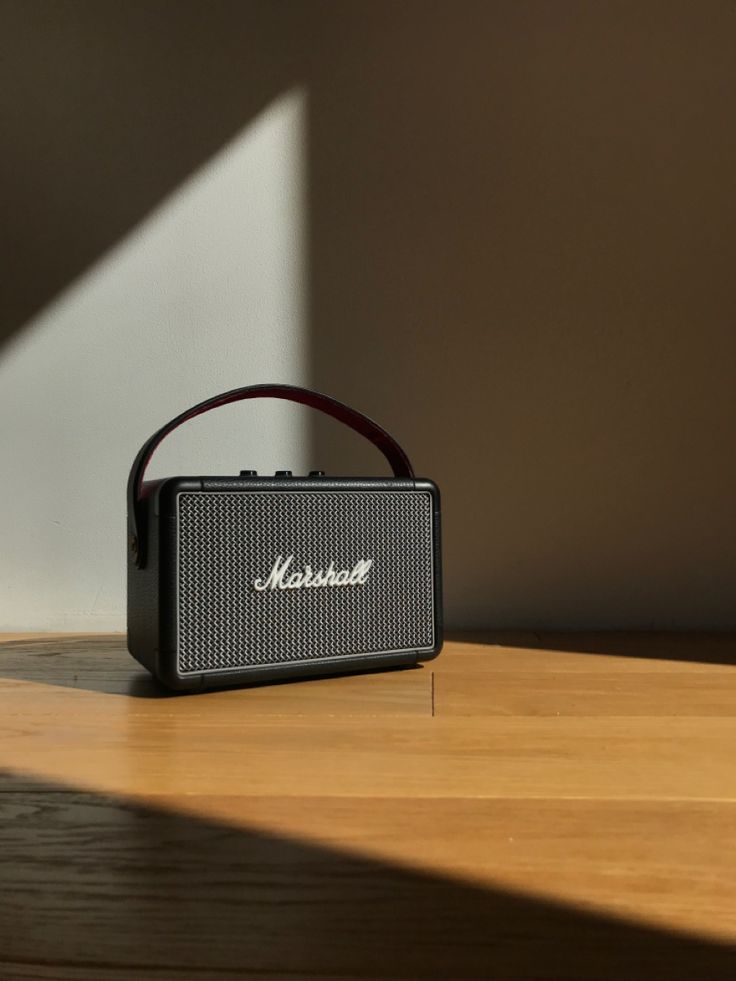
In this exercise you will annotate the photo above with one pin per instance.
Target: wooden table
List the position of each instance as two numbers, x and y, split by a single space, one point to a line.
527 806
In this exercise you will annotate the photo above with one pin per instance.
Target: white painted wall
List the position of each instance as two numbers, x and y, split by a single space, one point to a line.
206 294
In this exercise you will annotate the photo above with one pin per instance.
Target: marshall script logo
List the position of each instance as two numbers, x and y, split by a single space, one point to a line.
282 576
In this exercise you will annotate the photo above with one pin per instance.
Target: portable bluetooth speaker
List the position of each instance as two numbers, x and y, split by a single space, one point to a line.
250 578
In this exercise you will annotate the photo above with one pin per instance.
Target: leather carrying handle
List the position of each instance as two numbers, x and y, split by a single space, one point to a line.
338 410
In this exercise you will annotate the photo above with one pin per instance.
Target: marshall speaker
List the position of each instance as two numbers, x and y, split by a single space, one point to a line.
252 578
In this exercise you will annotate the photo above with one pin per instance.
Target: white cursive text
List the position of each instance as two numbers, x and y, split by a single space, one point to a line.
282 577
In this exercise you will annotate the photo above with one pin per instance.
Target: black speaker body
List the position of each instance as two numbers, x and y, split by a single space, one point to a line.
196 618
233 580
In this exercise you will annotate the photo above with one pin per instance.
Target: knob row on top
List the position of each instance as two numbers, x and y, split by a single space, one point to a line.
281 473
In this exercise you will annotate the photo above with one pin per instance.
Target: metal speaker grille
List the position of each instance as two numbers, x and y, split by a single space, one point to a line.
228 540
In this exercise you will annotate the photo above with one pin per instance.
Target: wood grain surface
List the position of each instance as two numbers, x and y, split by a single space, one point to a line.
526 806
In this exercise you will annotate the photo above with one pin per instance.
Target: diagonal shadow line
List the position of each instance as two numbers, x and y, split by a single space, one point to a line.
107 108
706 647
96 883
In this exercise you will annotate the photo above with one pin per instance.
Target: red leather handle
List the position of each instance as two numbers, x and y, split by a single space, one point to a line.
292 393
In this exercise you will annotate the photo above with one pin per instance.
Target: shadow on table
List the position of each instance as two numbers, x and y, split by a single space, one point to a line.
708 647
92 662
97 884
101 662
97 663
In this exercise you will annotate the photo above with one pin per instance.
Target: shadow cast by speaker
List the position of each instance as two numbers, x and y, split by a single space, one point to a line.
102 663
91 662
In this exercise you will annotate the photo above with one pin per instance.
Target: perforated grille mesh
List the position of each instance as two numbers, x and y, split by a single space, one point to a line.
228 540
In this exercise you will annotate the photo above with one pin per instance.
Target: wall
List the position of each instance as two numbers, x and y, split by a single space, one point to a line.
183 242
505 229
523 242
